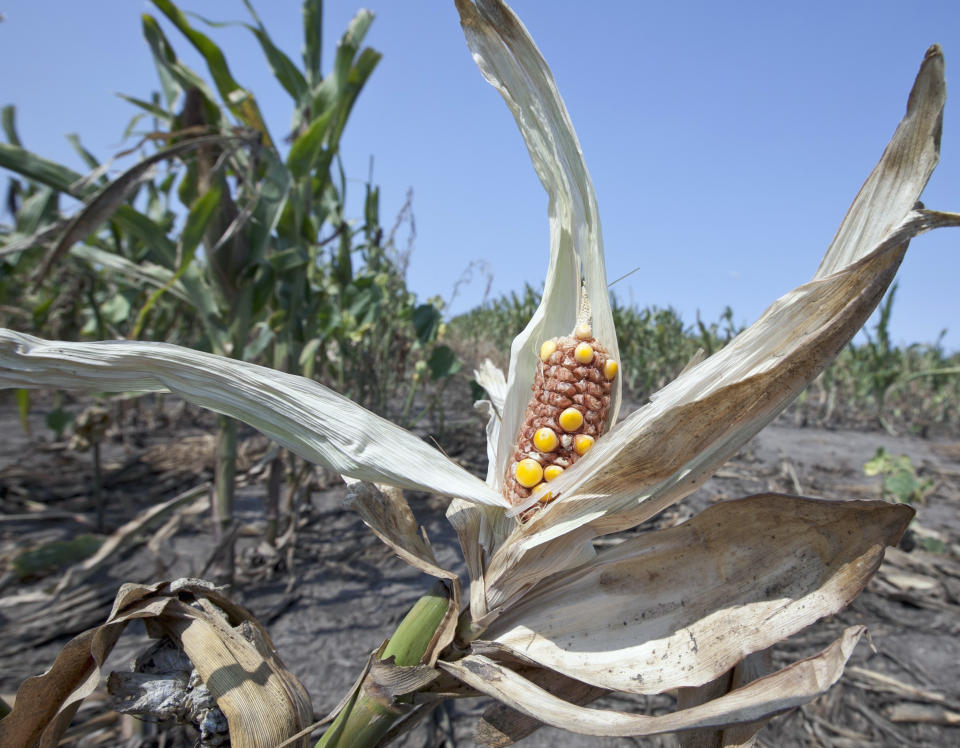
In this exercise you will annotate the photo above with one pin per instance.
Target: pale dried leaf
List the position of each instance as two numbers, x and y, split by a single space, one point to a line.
491 378
494 383
894 186
315 422
681 606
785 689
924 713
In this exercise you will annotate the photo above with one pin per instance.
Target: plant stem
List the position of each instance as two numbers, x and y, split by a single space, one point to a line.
224 485
98 486
274 480
368 716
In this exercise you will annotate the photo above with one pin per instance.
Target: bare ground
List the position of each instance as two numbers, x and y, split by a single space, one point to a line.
335 592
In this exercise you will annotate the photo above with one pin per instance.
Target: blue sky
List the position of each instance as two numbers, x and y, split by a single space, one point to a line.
725 140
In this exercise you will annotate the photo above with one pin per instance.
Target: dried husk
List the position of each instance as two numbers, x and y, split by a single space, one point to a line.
263 701
680 607
511 63
787 688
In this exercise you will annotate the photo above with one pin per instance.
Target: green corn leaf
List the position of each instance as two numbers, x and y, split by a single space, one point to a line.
201 212
286 73
308 357
23 408
261 336
330 92
273 192
8 117
148 232
288 260
135 274
37 210
159 112
165 59
175 77
264 283
109 198
39 169
313 40
239 100
307 149
162 249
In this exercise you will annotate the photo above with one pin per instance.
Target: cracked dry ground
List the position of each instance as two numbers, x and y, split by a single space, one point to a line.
334 592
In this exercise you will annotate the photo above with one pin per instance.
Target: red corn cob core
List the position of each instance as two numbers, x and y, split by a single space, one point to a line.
561 382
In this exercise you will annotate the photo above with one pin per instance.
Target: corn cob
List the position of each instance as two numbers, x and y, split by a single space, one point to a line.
566 414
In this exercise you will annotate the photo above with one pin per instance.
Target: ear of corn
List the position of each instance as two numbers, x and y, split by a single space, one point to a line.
567 412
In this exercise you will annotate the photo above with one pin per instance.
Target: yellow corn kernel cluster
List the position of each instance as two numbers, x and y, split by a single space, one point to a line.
566 413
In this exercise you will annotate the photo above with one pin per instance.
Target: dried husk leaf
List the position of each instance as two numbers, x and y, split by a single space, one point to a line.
309 419
45 704
785 689
494 383
680 607
502 725
511 63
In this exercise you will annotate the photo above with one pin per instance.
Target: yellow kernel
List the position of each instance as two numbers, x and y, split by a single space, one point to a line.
546 440
547 349
583 331
542 493
610 368
583 353
528 472
571 419
582 443
552 471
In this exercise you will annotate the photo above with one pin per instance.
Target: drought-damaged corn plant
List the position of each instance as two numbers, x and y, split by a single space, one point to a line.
552 622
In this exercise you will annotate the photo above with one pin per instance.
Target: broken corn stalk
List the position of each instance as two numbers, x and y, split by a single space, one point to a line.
566 414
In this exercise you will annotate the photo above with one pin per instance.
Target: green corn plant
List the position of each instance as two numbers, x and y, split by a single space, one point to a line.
900 481
883 360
